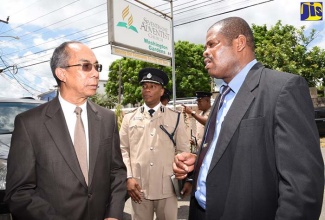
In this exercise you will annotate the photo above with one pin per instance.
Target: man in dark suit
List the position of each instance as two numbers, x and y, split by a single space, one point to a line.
54 172
262 161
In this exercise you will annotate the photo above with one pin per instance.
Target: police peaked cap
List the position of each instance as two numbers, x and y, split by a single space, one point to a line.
153 75
201 94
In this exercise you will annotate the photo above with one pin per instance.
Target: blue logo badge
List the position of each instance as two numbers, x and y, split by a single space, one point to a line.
311 11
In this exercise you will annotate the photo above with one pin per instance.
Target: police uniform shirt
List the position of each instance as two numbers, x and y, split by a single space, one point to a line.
200 127
147 150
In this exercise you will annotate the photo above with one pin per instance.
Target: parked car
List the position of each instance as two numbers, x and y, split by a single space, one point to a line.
9 108
320 120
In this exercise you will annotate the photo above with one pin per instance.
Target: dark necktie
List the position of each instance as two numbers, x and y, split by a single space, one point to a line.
151 111
80 144
210 132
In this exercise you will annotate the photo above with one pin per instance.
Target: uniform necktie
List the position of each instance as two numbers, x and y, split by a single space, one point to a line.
210 131
80 144
151 111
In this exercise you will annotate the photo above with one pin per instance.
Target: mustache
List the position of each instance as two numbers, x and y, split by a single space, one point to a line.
207 58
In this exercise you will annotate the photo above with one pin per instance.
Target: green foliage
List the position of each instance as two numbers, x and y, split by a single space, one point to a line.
281 47
119 115
105 100
190 74
131 89
285 48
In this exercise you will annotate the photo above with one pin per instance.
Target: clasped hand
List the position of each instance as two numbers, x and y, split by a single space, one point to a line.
183 164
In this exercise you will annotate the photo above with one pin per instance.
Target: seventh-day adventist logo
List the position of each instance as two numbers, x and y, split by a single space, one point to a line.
311 11
128 24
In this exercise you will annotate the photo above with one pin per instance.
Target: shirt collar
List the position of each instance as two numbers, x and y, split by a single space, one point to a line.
69 107
154 108
238 80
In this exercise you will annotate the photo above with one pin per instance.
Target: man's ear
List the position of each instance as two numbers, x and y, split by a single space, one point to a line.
162 91
241 42
60 73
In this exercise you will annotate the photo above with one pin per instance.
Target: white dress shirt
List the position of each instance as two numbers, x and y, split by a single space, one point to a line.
235 85
71 118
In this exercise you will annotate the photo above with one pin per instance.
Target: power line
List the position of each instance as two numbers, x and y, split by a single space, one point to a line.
15 78
101 32
60 21
181 8
55 39
41 16
24 8
214 15
45 61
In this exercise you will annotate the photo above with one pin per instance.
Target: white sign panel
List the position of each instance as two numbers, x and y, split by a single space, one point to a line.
133 27
140 56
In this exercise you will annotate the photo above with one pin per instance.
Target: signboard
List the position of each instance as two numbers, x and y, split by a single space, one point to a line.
133 27
139 56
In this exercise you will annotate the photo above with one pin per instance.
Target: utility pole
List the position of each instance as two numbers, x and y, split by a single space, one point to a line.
119 82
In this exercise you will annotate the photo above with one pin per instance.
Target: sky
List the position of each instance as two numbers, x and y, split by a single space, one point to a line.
42 25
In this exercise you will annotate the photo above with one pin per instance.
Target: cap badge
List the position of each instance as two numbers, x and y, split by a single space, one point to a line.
149 75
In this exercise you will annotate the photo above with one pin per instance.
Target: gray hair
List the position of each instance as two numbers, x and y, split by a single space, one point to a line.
60 58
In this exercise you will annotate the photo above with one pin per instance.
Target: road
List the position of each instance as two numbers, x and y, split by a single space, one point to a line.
183 206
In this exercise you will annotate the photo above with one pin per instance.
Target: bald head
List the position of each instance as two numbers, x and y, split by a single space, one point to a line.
232 27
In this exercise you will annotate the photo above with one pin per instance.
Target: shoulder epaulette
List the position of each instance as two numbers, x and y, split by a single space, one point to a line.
133 110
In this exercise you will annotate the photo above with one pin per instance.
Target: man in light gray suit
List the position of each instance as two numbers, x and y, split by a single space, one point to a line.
48 178
262 161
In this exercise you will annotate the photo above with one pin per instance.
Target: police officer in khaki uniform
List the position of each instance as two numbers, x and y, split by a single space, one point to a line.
150 136
204 105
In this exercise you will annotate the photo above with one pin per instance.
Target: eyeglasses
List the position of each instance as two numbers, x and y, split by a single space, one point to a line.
87 67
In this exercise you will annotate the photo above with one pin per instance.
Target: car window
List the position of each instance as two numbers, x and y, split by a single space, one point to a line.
8 112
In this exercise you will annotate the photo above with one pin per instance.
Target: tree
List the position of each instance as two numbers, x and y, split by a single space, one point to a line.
130 86
285 48
105 100
189 73
281 47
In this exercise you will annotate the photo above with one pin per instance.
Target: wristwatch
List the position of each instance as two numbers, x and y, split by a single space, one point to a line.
193 113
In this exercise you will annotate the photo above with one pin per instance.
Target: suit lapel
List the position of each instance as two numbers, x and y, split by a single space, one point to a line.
58 129
239 107
94 138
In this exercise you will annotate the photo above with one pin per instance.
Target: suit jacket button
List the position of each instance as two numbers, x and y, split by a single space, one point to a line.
89 195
